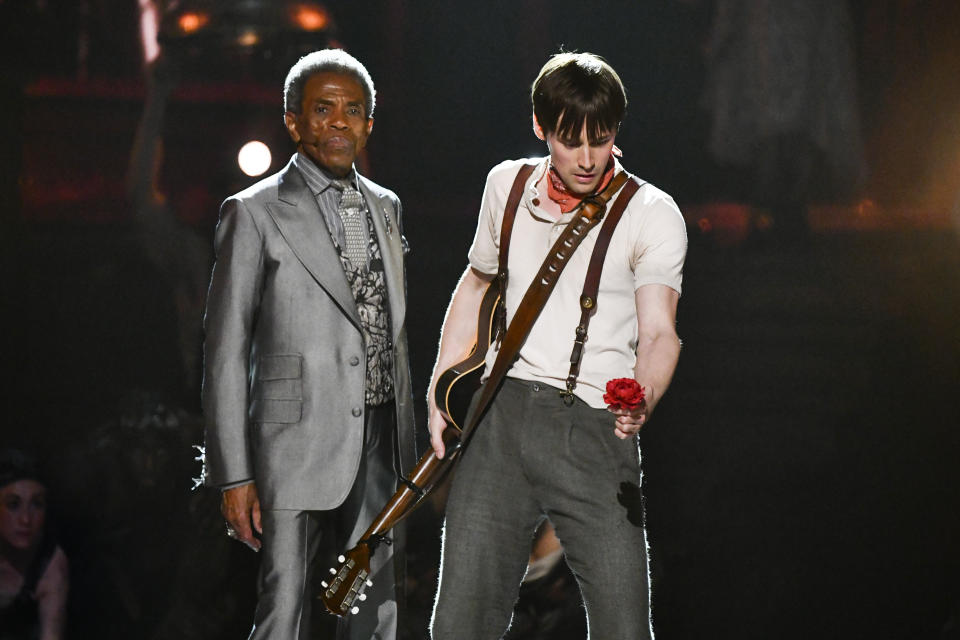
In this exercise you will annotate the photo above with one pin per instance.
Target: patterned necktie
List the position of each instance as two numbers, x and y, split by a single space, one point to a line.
350 210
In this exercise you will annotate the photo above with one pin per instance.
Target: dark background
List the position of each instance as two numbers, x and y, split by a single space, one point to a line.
801 476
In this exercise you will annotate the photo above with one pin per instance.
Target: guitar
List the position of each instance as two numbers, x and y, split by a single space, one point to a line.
454 390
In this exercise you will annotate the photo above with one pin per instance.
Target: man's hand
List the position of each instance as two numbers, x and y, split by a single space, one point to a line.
629 421
436 424
240 507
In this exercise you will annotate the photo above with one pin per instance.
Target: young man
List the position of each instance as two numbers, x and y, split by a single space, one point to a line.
306 375
535 455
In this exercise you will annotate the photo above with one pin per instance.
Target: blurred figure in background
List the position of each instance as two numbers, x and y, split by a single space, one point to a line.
124 504
781 96
33 567
148 556
178 253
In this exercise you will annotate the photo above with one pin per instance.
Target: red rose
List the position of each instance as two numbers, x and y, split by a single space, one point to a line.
623 393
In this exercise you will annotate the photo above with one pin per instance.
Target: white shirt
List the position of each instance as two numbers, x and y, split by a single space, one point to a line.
648 247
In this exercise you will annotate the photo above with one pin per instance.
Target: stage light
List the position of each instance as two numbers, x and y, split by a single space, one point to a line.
192 21
243 39
309 17
254 158
248 38
255 26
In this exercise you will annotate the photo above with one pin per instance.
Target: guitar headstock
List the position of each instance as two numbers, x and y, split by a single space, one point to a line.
345 588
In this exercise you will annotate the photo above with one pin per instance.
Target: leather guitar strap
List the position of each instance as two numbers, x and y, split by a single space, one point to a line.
588 299
587 215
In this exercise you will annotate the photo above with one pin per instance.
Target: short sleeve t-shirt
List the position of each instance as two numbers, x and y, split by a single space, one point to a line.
648 247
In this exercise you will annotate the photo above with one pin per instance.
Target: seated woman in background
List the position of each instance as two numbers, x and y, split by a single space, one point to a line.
33 568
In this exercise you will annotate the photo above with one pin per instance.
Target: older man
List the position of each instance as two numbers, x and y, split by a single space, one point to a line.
306 379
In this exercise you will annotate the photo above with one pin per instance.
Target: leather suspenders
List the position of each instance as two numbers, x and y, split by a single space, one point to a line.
588 299
590 212
506 231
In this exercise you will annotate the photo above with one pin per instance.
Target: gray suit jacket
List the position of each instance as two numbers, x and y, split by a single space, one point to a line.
283 391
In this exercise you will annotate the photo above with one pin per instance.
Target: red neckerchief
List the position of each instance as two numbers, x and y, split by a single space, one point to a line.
558 192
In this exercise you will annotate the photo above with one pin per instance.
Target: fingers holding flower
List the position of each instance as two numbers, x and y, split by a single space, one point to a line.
625 398
629 422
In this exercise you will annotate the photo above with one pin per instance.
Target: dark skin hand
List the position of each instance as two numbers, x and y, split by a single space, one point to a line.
240 507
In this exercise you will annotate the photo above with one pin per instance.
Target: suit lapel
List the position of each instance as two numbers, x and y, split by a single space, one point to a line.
391 250
298 217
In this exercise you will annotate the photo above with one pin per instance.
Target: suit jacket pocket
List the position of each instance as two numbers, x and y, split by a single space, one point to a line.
278 389
277 411
280 367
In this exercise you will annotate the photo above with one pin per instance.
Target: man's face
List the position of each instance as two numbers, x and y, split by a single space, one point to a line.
581 161
332 126
23 510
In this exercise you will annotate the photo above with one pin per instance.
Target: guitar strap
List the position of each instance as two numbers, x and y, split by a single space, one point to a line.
587 215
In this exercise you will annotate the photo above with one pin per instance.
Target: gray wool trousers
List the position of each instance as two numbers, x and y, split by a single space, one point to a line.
533 457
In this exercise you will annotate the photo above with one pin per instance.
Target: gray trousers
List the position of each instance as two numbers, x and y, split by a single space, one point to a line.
298 544
532 457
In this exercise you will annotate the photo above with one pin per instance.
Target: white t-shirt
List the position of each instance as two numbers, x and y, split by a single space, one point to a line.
648 247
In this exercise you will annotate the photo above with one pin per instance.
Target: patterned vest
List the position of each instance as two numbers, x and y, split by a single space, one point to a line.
369 288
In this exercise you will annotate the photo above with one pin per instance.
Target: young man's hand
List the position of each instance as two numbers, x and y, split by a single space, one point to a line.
629 421
436 424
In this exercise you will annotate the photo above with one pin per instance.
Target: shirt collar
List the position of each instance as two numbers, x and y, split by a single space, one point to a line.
318 179
532 197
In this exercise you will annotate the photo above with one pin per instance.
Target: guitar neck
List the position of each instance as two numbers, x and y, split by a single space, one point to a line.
428 472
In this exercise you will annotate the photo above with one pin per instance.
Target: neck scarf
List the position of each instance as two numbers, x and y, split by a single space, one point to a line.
568 201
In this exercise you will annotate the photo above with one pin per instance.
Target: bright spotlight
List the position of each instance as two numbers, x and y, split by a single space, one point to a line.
192 21
254 158
309 18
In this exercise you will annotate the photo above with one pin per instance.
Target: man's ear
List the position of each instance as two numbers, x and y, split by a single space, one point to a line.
290 120
369 125
537 129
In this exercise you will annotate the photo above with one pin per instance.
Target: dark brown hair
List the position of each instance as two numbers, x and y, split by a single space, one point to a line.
573 88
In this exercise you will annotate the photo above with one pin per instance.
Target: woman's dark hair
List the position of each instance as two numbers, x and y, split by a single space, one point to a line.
16 465
573 88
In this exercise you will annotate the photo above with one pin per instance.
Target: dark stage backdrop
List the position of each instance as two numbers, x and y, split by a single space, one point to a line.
801 475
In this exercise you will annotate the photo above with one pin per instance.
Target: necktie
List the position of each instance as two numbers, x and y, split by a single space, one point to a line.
350 210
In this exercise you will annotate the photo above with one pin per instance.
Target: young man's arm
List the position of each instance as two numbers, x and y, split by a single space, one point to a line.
658 350
457 337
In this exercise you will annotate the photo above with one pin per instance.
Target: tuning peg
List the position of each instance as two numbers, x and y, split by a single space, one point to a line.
362 597
369 583
323 583
341 559
355 610
333 571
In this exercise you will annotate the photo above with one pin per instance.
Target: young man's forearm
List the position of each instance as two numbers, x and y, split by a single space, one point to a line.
457 338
